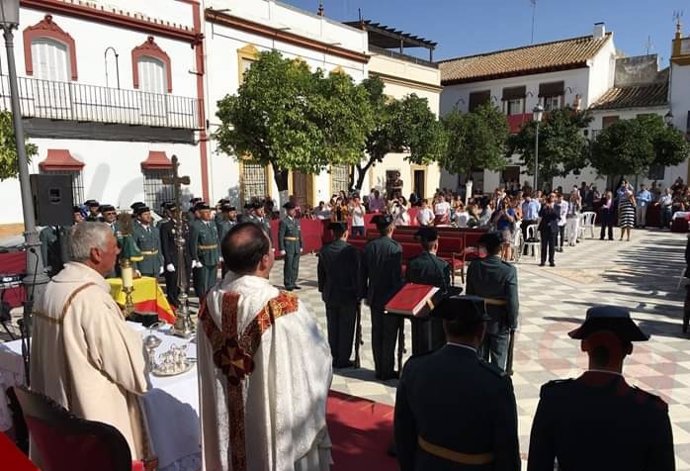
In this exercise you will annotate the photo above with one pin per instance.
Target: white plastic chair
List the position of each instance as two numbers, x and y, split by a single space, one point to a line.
587 221
518 244
533 241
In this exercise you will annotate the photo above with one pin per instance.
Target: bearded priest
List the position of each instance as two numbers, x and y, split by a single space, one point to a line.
264 368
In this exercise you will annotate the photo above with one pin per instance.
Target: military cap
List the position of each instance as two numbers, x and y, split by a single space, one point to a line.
337 226
76 209
427 234
615 319
223 201
194 200
91 203
136 205
249 205
382 221
226 208
490 240
289 205
141 210
258 205
171 206
467 309
106 208
202 206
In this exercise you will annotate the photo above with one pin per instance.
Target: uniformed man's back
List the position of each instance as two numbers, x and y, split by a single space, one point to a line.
383 261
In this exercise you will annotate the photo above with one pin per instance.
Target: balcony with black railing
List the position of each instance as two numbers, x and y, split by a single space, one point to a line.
72 101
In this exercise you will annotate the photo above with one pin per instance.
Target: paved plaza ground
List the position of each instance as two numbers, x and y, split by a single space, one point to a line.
642 275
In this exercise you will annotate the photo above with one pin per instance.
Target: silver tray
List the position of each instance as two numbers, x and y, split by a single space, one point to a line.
188 366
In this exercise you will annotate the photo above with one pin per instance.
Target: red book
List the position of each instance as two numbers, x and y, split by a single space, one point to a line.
414 300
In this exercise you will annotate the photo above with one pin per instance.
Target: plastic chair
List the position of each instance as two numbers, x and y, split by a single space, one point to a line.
587 221
533 242
64 442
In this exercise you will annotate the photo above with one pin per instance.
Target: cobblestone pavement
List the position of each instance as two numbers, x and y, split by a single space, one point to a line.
642 275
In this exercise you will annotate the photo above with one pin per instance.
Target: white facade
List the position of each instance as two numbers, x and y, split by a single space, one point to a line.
70 96
230 49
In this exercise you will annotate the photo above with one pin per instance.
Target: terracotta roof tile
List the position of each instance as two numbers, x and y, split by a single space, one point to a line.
636 96
558 55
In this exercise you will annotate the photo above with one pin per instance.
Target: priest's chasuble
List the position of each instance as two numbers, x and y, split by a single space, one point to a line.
264 375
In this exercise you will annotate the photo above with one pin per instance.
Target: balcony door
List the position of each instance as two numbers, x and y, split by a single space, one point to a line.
51 92
152 81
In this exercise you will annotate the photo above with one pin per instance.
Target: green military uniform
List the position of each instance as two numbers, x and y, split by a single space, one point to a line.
338 276
428 269
54 243
382 275
115 228
205 249
453 411
148 241
223 225
494 279
290 241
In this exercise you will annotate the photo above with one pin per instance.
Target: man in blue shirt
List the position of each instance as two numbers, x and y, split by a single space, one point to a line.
530 215
643 197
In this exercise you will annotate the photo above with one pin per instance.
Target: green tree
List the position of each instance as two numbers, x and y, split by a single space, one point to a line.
475 140
9 167
406 125
290 118
563 146
631 147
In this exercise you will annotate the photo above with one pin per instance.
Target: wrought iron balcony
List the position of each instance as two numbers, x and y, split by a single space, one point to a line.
72 101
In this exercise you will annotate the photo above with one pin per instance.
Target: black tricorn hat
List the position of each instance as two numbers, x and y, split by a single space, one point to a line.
337 226
615 319
200 206
106 208
426 234
91 203
289 205
382 221
141 210
136 205
226 208
467 309
76 209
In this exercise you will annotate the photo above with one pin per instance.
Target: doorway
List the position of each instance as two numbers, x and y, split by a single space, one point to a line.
302 184
418 185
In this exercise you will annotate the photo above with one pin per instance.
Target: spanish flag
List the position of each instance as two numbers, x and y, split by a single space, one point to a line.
147 297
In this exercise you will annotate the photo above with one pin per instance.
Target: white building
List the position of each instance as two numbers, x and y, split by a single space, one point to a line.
235 32
109 92
679 96
574 72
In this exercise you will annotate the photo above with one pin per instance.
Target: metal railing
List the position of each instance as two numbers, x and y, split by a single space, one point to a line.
403 57
72 101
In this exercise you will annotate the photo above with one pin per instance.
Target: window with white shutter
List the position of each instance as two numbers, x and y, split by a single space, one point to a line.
50 60
152 75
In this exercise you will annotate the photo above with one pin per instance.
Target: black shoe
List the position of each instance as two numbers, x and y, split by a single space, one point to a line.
298 287
345 364
541 264
552 264
289 289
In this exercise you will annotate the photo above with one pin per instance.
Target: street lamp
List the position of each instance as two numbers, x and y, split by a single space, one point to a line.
36 278
538 113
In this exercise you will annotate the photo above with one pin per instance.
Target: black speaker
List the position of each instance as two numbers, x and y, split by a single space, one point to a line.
52 195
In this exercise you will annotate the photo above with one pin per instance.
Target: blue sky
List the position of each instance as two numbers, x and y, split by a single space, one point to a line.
465 27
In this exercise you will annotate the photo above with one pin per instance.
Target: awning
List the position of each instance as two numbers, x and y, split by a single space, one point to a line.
551 89
514 93
60 160
157 160
479 98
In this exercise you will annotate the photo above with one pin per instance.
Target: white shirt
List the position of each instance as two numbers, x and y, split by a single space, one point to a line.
462 218
425 216
442 208
358 215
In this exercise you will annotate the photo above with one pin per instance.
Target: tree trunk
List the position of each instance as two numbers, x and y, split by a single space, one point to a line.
361 173
281 178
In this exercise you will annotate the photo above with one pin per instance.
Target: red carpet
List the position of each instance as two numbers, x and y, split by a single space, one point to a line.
361 432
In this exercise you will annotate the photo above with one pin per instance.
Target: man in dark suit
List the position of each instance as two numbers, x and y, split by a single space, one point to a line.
598 422
428 269
382 278
205 251
453 411
550 213
496 281
339 285
290 245
169 250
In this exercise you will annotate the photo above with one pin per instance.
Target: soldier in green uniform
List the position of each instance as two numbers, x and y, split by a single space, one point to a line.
290 245
428 269
204 250
219 210
496 281
382 278
338 277
148 240
599 422
261 218
226 219
453 411
93 207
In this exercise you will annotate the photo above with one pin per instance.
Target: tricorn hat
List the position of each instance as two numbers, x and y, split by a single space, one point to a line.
201 206
106 208
226 208
289 205
615 319
91 203
141 210
136 205
467 309
426 234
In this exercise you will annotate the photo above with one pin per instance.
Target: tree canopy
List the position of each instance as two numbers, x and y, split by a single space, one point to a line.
291 118
399 125
9 167
631 147
563 146
475 140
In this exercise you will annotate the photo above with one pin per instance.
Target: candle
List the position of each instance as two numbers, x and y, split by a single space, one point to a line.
127 277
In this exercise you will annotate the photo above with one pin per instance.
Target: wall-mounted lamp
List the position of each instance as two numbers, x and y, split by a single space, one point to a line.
570 89
495 98
459 100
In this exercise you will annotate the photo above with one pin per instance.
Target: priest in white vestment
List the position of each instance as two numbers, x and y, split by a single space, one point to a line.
83 354
264 368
